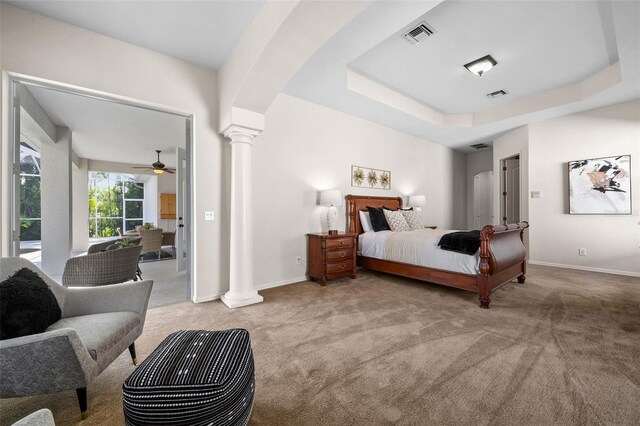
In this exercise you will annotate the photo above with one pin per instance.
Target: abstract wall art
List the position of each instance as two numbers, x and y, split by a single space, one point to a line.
600 186
364 177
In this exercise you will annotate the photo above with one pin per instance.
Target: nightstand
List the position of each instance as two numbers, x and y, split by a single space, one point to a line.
330 257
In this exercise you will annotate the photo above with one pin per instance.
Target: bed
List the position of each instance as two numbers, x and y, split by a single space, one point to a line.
500 259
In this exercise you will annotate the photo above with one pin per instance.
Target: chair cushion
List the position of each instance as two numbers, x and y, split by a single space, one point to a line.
100 332
27 305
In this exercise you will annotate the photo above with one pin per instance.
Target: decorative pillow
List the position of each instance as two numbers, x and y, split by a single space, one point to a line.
27 305
378 221
413 218
365 221
396 221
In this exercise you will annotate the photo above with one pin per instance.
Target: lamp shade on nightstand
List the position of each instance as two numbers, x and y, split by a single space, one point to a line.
417 200
331 198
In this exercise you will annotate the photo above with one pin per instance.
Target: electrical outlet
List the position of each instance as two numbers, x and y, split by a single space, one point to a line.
298 260
209 216
582 252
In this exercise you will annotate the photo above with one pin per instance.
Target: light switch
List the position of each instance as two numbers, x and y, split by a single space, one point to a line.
536 194
209 216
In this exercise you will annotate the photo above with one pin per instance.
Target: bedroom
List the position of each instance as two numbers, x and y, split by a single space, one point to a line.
320 144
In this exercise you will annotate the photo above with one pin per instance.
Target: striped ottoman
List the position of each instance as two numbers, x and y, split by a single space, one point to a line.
195 377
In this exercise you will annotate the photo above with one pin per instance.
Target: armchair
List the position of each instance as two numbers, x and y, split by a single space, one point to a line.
102 267
97 325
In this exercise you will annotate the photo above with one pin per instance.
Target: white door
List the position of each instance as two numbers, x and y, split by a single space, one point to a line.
15 210
510 183
482 199
181 188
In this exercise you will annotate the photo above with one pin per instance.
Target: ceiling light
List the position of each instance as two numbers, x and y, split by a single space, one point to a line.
480 66
158 171
496 94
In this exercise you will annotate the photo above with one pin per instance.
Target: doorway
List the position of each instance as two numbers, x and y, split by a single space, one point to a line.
482 199
22 153
510 189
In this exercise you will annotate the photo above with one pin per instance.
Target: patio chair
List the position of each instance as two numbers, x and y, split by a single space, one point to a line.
151 241
97 325
102 267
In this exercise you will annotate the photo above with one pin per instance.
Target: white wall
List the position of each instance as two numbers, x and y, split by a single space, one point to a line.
56 193
307 148
37 46
476 162
612 241
80 206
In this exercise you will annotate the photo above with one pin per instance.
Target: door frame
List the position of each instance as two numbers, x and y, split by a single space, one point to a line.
15 79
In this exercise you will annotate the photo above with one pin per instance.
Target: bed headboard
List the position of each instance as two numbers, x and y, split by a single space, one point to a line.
355 203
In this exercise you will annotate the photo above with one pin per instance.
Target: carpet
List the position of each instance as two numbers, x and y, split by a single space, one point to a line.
165 254
562 349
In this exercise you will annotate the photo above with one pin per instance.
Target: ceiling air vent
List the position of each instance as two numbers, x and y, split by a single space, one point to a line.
419 33
479 145
496 94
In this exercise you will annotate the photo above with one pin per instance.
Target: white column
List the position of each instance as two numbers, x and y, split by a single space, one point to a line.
241 291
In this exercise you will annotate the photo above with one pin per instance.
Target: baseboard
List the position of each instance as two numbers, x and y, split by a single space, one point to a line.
207 298
260 287
585 268
281 283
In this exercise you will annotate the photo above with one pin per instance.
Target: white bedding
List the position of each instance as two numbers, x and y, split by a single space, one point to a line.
418 247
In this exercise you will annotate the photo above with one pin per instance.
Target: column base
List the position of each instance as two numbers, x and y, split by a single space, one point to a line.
237 303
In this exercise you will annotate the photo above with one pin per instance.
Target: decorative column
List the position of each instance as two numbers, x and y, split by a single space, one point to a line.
241 291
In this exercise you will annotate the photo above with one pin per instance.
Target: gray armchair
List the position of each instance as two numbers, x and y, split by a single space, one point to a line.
151 241
97 325
102 267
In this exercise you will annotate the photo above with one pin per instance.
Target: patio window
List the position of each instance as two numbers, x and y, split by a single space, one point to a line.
30 220
116 200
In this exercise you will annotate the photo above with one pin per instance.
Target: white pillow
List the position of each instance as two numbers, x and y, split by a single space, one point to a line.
413 218
396 220
365 221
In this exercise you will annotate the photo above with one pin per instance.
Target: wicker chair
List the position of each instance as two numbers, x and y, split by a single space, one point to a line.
102 267
151 241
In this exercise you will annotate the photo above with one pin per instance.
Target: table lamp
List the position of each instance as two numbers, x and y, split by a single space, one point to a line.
331 198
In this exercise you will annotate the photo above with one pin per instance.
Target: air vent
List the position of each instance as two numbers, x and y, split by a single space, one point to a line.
496 94
479 145
419 33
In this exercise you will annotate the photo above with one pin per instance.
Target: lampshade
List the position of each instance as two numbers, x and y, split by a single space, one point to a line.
417 200
331 197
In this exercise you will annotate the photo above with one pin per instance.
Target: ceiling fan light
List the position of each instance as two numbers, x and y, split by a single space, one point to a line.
480 66
158 171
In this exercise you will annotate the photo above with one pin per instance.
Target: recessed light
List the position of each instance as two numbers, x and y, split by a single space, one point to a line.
496 94
480 66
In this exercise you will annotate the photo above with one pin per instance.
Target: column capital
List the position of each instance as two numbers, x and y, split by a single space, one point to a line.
240 134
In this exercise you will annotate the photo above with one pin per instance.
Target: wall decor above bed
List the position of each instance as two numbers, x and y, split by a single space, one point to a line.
600 185
365 177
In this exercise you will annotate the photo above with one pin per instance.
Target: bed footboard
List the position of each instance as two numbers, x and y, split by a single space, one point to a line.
502 258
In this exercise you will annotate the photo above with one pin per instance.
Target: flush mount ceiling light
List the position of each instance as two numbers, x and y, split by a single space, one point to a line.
480 66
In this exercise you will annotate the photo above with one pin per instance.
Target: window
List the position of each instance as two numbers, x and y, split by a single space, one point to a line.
30 220
115 201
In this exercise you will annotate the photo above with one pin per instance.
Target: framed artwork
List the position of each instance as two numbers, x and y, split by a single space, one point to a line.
600 185
364 177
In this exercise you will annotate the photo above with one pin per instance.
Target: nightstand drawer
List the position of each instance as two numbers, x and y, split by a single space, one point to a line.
340 266
346 242
338 256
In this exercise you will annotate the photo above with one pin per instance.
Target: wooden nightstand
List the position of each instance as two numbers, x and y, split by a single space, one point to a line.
331 256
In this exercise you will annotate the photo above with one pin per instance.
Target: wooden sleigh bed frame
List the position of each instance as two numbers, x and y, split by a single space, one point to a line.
502 254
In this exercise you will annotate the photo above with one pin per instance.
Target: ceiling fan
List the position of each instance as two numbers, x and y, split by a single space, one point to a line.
157 167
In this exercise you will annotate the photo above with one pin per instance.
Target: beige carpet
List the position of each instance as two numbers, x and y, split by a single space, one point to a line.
564 349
